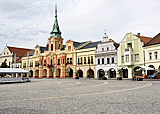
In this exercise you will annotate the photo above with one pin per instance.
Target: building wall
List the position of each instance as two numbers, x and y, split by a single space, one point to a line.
155 62
136 49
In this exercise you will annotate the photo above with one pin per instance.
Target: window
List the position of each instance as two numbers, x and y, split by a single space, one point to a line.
150 56
122 59
69 47
63 60
78 60
102 49
5 59
88 60
7 53
107 48
108 60
98 61
136 57
91 59
51 63
41 62
67 60
4 53
70 60
127 58
112 59
102 60
81 60
156 55
44 62
51 47
58 62
84 60
37 63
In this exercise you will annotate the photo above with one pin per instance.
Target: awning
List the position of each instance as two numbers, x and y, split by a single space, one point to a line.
13 70
148 68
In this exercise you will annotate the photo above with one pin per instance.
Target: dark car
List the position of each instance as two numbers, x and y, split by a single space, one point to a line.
154 76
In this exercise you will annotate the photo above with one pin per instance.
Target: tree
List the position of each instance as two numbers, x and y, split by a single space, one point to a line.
4 65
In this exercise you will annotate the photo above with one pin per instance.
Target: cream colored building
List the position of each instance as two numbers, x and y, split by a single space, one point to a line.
130 54
152 53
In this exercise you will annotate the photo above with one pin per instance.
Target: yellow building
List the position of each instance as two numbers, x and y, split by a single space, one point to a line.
152 54
130 54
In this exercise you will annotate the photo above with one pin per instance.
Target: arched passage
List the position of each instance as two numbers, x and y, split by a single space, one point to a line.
125 73
80 73
71 72
58 73
36 73
137 71
150 72
100 73
90 73
44 73
50 73
112 73
31 73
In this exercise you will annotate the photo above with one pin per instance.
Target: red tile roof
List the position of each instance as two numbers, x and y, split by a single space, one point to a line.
144 39
20 52
155 40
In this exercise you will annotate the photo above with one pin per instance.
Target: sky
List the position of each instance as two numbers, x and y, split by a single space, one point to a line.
26 23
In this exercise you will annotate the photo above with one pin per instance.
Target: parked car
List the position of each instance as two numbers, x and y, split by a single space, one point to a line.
154 76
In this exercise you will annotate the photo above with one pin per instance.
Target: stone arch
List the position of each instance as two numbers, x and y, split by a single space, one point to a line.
44 73
90 73
31 73
58 73
71 72
112 73
100 73
80 73
150 72
137 71
36 73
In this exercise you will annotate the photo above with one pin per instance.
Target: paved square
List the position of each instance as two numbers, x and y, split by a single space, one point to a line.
80 96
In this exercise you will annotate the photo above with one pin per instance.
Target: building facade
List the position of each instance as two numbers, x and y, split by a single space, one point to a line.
152 53
13 56
106 58
131 54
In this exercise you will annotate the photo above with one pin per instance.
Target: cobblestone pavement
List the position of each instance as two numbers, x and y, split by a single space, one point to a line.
81 96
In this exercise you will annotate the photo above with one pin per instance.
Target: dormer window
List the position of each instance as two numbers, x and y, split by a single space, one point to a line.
69 47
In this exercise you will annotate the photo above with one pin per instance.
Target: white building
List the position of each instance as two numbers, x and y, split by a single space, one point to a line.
106 58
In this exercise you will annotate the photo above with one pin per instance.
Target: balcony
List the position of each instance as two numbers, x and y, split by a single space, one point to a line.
128 56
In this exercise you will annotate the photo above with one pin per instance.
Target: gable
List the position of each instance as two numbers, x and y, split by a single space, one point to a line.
6 51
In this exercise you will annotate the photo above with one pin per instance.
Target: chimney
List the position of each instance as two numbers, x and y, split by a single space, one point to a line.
138 34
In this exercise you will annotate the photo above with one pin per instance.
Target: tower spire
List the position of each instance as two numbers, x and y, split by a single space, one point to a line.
105 37
55 31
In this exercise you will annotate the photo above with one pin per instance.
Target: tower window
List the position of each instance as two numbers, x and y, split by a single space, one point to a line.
51 47
69 47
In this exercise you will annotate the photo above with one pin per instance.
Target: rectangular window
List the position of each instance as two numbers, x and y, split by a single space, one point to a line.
102 60
84 60
78 60
156 55
98 61
69 47
91 59
70 60
122 59
150 56
63 60
112 60
81 61
127 58
107 48
136 57
88 60
67 60
102 49
44 62
51 62
58 62
51 47
108 60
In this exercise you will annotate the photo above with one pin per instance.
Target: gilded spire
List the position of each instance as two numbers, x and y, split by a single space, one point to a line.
55 31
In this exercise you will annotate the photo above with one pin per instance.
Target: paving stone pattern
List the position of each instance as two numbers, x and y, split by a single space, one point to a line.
83 96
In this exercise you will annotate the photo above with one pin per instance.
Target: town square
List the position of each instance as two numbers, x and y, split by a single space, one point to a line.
57 96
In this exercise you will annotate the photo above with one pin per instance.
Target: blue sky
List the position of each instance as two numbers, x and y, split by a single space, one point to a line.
25 23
